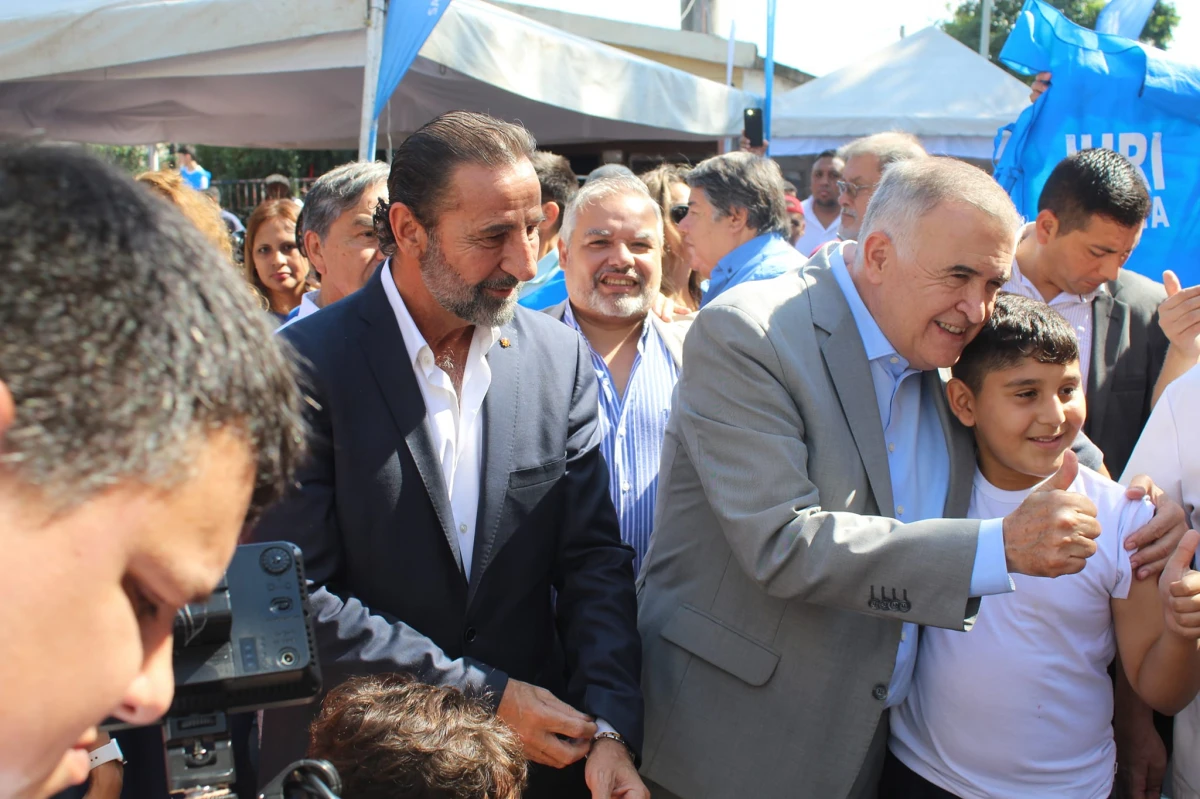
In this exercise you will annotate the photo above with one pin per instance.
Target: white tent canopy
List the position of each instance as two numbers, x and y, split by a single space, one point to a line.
289 73
927 84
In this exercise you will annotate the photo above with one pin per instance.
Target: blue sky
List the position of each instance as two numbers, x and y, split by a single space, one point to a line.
814 36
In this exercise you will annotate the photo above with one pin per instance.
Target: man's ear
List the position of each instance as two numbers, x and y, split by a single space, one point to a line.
738 218
312 246
1045 226
552 212
8 412
411 236
962 401
878 253
562 252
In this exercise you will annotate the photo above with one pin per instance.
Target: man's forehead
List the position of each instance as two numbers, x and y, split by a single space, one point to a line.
828 162
480 188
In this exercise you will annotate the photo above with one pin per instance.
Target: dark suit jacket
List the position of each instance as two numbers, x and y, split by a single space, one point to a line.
1128 350
373 518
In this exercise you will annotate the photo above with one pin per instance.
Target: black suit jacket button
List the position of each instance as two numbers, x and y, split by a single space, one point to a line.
469 636
880 692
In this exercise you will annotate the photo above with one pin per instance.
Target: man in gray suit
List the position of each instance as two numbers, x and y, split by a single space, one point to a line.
611 254
807 465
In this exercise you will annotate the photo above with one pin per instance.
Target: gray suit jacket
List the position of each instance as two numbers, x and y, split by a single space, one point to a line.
1128 351
671 334
767 653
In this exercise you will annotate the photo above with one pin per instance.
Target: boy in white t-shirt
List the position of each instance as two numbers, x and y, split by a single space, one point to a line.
1021 706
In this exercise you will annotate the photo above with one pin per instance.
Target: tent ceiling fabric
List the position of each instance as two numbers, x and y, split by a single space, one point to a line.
299 84
927 84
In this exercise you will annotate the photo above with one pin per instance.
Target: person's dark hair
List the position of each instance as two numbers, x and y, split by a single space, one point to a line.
186 149
744 180
392 738
559 182
1095 182
1019 328
826 154
127 339
424 164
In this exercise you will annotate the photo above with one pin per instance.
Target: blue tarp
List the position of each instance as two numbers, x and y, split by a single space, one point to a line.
1108 91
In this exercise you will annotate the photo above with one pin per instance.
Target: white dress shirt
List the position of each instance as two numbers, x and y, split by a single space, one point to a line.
455 424
1075 308
815 234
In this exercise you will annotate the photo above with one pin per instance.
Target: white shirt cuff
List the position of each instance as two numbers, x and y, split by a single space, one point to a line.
604 726
990 573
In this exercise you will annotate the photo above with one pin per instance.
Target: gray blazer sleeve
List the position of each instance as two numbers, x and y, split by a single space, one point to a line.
745 414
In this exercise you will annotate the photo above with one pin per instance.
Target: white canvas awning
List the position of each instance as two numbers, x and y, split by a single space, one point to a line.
283 73
927 84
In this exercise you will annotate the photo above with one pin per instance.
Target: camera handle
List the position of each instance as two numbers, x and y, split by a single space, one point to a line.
200 764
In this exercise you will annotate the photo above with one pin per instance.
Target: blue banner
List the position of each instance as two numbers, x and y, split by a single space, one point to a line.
1109 91
1125 17
769 72
409 23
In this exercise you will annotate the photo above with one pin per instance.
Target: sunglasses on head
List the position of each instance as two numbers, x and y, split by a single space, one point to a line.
678 212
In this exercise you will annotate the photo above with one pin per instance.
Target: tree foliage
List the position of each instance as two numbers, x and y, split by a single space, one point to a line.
967 21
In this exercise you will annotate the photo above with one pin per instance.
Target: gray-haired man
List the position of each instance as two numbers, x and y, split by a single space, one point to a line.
737 222
806 470
865 159
336 232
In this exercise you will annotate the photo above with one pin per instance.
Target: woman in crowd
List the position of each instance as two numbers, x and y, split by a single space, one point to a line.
273 263
669 189
199 208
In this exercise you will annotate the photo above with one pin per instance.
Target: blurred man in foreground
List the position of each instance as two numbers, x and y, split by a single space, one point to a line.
144 406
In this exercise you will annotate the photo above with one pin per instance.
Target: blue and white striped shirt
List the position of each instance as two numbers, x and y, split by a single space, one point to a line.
633 428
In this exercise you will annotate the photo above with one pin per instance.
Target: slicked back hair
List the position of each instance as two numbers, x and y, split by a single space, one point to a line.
335 193
744 180
424 164
1095 182
127 339
1018 328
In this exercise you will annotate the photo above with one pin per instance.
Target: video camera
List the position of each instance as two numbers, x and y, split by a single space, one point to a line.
249 647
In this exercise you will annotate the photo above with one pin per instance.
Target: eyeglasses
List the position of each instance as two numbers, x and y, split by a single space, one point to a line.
678 212
852 189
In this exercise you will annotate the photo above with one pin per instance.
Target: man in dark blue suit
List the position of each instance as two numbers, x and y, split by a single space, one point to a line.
454 515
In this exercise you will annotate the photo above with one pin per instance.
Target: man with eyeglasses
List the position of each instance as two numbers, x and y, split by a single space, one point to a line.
865 159
820 210
737 222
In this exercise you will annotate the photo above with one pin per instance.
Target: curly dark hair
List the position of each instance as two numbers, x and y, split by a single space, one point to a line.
392 738
127 339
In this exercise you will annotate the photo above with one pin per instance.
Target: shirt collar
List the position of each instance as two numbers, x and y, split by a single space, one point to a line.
414 342
874 341
743 254
570 320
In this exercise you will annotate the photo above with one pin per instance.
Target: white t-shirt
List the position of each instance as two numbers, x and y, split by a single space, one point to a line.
1169 451
815 234
1021 705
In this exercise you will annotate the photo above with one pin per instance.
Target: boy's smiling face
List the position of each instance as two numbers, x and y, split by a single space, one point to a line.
1025 417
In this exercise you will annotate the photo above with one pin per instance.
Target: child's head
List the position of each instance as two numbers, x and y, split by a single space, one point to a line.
1018 385
392 738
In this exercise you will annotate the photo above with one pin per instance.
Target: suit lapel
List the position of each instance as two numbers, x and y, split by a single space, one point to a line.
500 415
1108 324
846 360
960 444
388 357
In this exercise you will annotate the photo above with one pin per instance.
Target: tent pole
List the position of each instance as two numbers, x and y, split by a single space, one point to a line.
366 128
985 30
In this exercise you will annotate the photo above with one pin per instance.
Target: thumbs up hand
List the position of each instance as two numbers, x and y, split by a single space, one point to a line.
1053 531
1179 316
1179 587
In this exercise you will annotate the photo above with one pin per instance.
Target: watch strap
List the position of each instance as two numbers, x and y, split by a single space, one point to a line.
106 754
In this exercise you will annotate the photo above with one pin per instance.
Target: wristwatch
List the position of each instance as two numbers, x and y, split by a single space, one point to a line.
106 754
615 736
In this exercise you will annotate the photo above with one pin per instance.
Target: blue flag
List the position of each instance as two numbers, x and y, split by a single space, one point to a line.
1108 91
409 23
1125 17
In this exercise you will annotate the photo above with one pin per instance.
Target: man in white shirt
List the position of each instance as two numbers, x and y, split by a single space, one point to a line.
821 207
455 515
336 232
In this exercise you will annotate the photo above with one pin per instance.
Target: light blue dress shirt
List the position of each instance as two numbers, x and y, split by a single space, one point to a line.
918 463
548 268
761 258
632 427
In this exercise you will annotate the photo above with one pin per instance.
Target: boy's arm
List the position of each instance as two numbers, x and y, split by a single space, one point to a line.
1158 633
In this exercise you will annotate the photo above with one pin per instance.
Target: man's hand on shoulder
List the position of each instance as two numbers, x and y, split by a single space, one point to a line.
539 718
1052 533
610 772
1157 539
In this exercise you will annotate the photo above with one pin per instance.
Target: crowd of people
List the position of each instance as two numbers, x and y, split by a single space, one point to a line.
669 485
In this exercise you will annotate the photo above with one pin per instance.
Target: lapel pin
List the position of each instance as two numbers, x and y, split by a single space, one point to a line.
505 343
